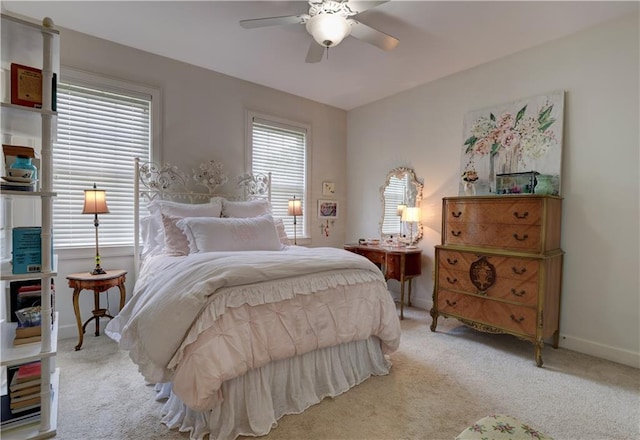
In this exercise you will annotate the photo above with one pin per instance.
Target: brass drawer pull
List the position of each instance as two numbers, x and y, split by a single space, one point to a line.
523 238
456 233
452 262
451 304
517 320
452 281
521 293
519 271
456 214
521 217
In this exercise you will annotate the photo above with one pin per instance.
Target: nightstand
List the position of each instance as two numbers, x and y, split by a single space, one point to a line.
396 263
97 283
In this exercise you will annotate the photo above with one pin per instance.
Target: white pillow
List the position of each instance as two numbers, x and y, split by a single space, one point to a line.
167 213
208 234
249 208
282 233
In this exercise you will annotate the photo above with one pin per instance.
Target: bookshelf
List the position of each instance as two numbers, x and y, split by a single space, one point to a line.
35 45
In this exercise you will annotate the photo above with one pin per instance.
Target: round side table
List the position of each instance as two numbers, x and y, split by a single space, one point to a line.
98 283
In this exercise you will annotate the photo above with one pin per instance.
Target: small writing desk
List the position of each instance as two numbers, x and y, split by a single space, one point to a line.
98 283
397 263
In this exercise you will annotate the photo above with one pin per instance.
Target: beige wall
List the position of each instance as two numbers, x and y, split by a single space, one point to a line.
203 118
422 128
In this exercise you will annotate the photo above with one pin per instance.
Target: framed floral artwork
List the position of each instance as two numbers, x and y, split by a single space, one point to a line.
517 138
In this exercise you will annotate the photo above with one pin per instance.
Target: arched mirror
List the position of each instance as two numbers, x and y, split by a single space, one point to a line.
401 190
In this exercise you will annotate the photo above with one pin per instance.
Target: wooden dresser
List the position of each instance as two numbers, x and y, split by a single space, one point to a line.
499 268
396 263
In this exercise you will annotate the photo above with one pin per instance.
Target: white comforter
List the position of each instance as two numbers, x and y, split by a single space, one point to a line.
205 318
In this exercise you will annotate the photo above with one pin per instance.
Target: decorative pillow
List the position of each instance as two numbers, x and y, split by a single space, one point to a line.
501 427
250 208
282 233
207 234
167 213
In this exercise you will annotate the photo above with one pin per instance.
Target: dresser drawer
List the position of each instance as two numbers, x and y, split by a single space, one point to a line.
492 313
508 278
522 211
495 235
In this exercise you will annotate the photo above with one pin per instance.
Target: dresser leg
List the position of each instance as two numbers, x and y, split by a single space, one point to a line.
556 338
539 346
434 319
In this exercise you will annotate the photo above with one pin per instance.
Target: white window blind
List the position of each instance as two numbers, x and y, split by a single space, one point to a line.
99 133
394 195
281 149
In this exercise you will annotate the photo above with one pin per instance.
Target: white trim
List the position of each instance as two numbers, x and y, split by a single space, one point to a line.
615 354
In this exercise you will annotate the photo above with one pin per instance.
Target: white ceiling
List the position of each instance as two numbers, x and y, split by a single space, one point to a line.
437 38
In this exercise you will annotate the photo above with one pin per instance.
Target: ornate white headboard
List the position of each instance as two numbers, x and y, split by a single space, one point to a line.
167 182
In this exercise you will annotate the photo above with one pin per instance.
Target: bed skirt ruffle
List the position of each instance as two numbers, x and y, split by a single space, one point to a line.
255 401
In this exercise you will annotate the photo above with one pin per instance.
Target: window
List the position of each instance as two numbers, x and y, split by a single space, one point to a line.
281 148
102 126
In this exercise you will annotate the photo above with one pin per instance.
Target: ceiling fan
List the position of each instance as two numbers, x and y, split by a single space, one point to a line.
329 22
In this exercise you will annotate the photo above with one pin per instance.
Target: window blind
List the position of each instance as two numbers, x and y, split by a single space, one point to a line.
99 133
282 150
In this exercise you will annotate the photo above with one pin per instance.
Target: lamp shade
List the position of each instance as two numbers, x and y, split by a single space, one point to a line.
95 201
400 209
328 29
295 206
411 214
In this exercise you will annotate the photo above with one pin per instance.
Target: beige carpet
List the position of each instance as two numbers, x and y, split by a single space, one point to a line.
439 384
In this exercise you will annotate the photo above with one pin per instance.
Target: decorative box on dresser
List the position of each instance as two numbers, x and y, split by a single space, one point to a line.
499 267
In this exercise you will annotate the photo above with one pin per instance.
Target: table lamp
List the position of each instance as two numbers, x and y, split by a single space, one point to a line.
411 215
295 209
95 202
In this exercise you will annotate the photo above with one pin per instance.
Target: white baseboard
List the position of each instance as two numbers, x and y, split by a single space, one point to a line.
619 355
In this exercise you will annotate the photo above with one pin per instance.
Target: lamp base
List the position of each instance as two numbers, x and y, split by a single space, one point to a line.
98 271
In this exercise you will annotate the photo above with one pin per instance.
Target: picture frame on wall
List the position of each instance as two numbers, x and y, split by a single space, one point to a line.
517 138
327 209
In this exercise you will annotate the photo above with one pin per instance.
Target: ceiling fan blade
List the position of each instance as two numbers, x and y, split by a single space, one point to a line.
271 21
373 36
314 55
360 6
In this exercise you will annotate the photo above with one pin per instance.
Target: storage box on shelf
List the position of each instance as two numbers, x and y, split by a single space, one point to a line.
499 268
30 44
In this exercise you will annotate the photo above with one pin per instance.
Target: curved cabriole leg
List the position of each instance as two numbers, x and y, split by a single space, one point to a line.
556 339
434 322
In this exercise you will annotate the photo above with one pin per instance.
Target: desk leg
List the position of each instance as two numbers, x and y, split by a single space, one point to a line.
76 310
123 294
96 311
402 298
409 296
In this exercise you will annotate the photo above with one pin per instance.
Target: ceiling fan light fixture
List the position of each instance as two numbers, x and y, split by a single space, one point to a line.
328 29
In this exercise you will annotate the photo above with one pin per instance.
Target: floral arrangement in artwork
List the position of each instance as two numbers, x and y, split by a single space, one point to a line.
523 136
515 135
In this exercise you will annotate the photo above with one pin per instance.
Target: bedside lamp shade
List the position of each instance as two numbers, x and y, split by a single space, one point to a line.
95 202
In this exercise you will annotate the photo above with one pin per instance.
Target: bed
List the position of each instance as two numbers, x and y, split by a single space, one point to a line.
235 326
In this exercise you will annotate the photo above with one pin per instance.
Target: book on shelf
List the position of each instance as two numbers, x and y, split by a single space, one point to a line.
16 387
23 403
32 389
26 373
29 340
28 332
27 256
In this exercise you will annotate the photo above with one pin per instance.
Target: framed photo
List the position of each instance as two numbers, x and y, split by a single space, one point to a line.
327 209
26 86
328 188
